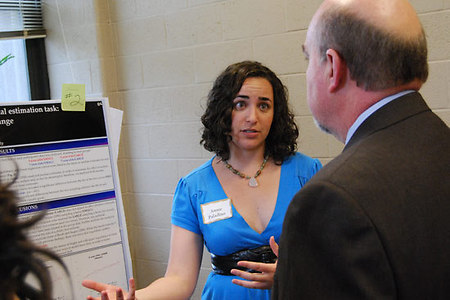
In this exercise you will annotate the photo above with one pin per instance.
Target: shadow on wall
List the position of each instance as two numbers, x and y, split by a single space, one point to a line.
109 80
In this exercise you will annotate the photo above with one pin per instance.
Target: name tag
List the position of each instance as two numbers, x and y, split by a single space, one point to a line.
216 211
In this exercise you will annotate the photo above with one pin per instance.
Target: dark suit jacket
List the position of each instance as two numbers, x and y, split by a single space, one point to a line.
374 223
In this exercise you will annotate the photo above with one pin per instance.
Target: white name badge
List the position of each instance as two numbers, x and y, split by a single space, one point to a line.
216 211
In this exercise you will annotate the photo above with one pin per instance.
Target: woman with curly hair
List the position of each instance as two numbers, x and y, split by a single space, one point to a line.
19 257
235 203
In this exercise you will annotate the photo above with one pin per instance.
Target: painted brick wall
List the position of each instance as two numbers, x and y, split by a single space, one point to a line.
156 60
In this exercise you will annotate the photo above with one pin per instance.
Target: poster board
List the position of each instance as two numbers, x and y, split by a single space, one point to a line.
66 164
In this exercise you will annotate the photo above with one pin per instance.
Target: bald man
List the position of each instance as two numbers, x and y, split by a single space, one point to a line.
374 223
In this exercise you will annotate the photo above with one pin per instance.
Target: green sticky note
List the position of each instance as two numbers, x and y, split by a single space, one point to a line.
73 97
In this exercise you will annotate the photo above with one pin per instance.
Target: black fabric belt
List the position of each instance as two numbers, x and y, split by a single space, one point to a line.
223 264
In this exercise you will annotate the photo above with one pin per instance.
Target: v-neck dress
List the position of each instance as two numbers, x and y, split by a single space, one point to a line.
200 192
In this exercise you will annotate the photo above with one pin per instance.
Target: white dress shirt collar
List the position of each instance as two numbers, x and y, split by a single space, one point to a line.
362 117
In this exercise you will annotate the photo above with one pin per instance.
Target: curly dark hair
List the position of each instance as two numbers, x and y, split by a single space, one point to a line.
282 139
19 257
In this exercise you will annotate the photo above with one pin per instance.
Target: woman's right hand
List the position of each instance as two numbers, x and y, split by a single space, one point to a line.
110 292
186 249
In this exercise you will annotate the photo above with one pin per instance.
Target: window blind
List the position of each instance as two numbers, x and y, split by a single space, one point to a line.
21 19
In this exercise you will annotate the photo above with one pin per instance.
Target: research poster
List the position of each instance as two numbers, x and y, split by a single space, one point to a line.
63 164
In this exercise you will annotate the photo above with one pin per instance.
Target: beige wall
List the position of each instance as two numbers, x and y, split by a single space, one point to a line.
156 59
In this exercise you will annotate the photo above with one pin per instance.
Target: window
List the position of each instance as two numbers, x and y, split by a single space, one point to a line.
14 71
23 69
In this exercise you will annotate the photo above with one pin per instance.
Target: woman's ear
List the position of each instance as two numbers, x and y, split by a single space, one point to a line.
336 70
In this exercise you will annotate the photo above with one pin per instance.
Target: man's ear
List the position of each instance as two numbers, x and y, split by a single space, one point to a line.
336 70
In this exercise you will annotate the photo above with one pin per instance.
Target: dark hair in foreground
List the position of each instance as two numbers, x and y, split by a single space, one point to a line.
19 257
376 59
282 139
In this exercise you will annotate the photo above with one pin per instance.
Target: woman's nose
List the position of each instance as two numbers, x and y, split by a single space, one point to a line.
252 113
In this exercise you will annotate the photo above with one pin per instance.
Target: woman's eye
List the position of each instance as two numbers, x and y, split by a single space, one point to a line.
264 106
239 105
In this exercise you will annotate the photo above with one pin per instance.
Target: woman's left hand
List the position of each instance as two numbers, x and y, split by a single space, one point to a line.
263 280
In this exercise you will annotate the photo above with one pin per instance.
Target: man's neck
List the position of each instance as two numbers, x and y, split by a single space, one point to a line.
362 117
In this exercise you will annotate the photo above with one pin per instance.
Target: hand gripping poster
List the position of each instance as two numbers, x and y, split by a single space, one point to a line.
64 165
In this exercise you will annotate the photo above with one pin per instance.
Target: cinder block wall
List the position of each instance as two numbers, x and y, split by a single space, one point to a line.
156 60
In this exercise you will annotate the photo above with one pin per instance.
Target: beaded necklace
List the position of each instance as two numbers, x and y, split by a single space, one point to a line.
252 180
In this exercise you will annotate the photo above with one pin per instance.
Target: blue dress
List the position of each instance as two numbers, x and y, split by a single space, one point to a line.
200 193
